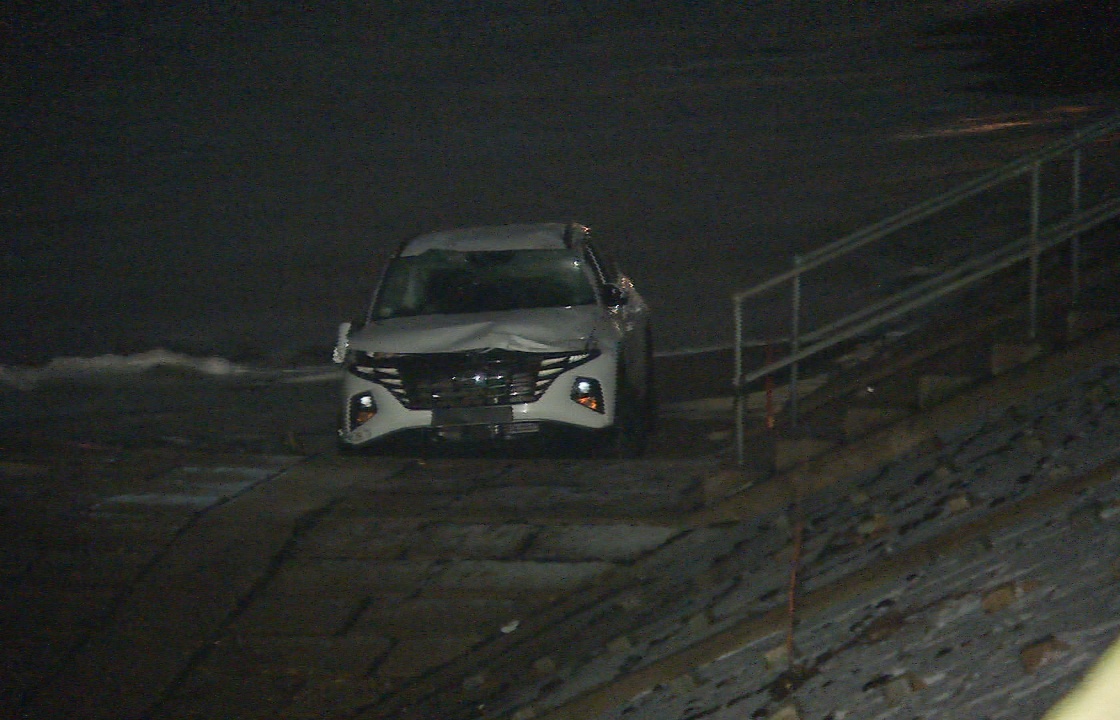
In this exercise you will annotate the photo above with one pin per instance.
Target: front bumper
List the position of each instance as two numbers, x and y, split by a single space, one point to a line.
373 412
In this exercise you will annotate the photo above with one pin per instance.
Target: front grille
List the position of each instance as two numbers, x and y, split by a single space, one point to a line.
470 379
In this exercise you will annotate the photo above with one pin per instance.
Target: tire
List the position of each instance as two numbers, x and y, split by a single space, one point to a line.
627 439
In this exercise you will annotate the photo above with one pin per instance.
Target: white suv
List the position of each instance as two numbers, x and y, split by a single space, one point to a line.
500 333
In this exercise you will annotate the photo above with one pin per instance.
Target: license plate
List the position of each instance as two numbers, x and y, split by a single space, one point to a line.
442 417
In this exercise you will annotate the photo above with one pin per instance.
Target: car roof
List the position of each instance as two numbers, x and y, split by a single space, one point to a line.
534 236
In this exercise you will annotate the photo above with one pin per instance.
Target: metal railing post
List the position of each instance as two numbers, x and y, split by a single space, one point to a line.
795 339
740 451
1075 241
1036 202
1022 250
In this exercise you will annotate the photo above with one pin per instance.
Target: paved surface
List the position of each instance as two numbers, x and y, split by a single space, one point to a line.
180 580
176 546
154 585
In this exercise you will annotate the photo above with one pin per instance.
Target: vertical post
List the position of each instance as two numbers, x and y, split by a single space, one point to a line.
737 311
794 340
1035 211
1075 241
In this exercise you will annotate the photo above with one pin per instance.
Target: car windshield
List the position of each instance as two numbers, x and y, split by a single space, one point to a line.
446 282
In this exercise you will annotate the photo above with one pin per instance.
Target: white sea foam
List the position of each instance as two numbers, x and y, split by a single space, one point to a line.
61 369
84 368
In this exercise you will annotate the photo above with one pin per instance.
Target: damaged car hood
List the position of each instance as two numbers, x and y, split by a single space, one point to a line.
538 330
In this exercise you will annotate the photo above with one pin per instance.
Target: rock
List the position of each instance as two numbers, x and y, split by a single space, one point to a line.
777 657
789 711
474 681
723 483
1109 511
1033 443
999 598
793 452
1003 596
785 555
943 473
898 689
620 645
882 628
958 503
859 498
525 713
1007 356
683 684
1058 472
933 389
544 666
1042 652
874 525
699 623
708 579
1084 517
860 421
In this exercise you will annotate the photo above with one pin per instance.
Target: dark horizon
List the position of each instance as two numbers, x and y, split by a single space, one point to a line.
219 178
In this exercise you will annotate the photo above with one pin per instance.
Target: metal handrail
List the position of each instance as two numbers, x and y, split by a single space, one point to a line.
948 282
921 211
923 294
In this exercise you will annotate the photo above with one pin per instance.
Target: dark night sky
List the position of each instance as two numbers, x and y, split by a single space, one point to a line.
208 176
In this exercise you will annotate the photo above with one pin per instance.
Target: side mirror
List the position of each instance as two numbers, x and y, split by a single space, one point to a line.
342 344
614 296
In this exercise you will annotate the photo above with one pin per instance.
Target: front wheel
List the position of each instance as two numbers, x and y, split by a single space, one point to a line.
627 439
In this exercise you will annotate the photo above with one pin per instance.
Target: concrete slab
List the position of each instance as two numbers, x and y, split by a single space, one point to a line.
283 614
1007 356
266 677
396 504
494 577
705 408
791 453
611 543
174 612
1081 322
858 421
933 389
471 616
422 653
725 482
203 485
358 538
471 541
197 502
339 576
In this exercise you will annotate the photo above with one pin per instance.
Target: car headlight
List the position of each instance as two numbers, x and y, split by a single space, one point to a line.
588 393
362 409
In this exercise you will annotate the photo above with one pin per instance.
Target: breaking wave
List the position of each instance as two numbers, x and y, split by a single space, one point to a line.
84 368
64 369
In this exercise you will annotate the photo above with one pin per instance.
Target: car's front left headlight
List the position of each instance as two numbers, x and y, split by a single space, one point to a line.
588 393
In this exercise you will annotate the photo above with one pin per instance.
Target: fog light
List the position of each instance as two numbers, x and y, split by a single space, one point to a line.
362 409
588 393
